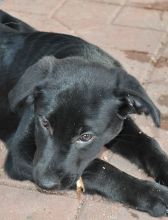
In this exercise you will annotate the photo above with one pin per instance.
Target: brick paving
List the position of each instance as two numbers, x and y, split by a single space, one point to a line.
136 33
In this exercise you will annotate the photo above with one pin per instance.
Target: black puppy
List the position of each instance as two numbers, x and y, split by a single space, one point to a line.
61 100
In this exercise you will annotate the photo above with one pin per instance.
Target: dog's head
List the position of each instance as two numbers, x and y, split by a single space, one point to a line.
78 107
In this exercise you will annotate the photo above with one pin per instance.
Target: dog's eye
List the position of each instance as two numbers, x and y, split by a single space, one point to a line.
86 137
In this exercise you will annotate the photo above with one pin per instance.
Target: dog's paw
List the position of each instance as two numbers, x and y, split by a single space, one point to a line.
156 200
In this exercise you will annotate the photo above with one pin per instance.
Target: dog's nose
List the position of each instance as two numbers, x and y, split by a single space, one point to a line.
48 183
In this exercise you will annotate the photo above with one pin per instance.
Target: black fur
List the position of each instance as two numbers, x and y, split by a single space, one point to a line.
61 100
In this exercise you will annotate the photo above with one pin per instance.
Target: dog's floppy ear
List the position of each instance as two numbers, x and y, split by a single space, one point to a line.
32 77
134 99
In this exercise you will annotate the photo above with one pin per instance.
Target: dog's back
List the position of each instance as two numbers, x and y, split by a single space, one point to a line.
59 45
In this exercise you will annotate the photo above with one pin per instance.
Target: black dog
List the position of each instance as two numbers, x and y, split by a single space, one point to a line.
61 100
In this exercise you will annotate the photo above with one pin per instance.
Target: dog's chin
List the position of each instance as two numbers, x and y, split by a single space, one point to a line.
58 190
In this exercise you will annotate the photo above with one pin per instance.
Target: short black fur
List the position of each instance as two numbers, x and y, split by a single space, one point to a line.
61 100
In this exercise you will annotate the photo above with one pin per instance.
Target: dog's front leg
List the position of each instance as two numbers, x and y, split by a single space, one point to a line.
106 180
142 150
21 147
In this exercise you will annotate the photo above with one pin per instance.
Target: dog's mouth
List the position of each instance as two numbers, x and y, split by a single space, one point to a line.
80 188
69 181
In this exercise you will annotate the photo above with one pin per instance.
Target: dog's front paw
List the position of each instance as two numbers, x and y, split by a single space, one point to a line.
156 200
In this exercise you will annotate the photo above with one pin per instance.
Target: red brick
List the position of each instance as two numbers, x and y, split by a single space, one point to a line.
23 204
85 15
143 18
123 38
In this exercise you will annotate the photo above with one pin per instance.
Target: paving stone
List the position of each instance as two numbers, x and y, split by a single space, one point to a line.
160 5
41 22
143 18
117 2
159 94
165 49
86 15
147 126
128 167
160 72
160 64
35 6
123 38
135 62
111 211
23 204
